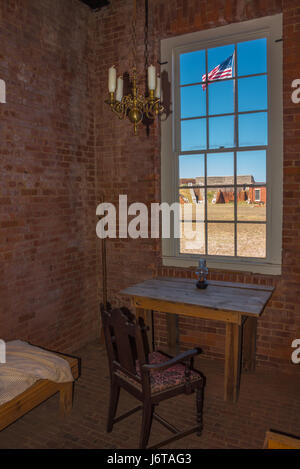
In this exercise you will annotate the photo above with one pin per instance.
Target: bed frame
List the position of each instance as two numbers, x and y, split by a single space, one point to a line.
38 393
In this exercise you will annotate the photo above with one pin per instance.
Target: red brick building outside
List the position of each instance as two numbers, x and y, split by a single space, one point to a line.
258 194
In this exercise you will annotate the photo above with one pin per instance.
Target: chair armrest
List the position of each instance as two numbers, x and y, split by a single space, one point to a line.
173 361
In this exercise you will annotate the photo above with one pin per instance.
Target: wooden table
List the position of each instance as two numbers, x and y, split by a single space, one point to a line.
237 305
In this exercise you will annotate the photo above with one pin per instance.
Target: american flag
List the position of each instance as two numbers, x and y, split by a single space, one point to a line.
221 71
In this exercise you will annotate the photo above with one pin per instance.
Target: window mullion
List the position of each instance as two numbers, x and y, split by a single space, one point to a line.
236 142
235 203
205 208
205 157
207 102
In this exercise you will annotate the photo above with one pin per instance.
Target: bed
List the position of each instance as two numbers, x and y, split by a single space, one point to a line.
38 393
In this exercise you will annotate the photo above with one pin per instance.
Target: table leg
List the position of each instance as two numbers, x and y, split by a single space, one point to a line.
232 361
249 343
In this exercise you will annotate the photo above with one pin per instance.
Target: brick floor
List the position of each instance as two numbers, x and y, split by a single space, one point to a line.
268 399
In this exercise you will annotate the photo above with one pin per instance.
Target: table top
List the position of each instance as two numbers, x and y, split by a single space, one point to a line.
248 299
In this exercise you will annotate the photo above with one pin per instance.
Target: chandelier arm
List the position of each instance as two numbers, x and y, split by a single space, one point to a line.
153 107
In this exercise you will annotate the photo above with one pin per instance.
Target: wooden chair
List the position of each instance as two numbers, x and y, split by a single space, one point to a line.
150 377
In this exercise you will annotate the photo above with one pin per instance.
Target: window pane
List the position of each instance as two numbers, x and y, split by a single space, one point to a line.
220 203
191 167
192 67
251 240
191 173
252 93
220 169
253 129
193 101
221 97
221 132
252 57
218 55
192 209
252 203
192 205
251 167
193 134
220 238
192 239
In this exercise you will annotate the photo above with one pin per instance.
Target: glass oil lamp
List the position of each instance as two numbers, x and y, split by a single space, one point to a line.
202 274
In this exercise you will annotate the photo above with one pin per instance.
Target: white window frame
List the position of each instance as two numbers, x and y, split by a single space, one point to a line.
259 197
271 28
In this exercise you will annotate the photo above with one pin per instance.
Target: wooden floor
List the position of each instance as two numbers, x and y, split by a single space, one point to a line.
267 400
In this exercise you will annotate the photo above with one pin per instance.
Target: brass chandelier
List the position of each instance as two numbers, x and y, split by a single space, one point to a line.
134 105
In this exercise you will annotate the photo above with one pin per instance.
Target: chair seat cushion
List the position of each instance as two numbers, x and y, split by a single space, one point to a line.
165 379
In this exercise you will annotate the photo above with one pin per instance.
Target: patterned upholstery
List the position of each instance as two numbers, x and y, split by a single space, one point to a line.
161 380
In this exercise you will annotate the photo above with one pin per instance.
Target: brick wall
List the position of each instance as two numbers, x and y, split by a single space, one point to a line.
131 165
48 282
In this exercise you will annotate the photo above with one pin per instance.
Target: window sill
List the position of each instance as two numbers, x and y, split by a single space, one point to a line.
234 265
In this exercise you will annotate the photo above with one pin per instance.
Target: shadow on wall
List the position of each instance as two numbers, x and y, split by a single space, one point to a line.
166 94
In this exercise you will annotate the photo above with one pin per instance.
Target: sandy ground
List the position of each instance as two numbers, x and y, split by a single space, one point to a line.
251 238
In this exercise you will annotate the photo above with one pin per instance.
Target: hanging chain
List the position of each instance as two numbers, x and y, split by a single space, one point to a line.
146 34
133 34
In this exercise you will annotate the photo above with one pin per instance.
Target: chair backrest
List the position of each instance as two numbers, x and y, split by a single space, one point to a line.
126 340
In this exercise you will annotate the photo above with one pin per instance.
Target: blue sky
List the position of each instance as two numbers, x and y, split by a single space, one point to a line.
252 96
222 164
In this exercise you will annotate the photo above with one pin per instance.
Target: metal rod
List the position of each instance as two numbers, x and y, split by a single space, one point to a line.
104 277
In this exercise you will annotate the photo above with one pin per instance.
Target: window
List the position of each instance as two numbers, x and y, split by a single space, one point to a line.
222 146
257 195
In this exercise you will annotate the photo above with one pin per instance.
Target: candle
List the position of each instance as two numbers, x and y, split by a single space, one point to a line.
112 79
157 89
151 77
119 93
2 92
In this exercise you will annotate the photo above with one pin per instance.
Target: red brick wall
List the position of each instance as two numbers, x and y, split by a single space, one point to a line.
48 282
131 165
